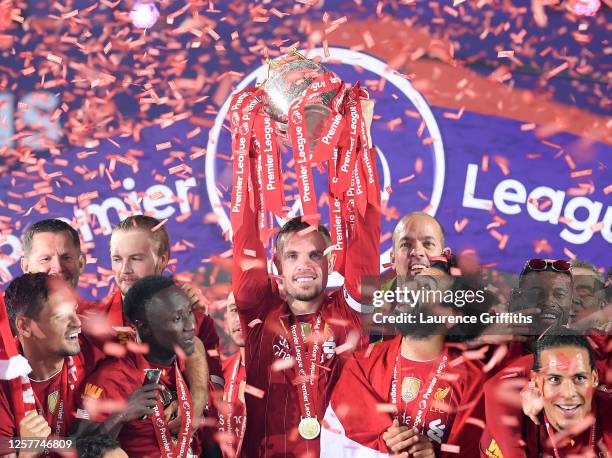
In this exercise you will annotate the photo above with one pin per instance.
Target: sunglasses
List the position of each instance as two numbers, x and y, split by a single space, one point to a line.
558 265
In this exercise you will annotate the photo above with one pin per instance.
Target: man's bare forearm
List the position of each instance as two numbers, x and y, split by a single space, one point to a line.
196 373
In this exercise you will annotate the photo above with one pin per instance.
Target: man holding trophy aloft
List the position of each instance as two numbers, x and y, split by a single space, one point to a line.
297 334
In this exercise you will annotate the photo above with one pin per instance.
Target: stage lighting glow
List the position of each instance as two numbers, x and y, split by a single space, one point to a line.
144 15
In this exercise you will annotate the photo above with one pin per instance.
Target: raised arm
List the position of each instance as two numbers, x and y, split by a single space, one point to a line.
196 373
250 281
363 249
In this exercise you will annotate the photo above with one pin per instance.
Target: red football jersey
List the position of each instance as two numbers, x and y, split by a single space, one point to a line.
232 411
272 397
48 392
502 393
414 377
115 380
442 397
535 439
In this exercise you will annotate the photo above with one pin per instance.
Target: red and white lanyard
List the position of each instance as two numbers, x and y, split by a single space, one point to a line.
232 399
426 398
551 436
162 432
307 388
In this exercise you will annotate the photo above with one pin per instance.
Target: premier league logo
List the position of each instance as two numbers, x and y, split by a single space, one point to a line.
244 128
296 117
410 154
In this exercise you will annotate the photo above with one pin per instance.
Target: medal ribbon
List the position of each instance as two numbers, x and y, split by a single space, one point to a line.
164 438
426 398
550 434
232 398
71 370
306 387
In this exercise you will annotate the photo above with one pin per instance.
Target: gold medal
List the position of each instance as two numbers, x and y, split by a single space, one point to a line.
309 428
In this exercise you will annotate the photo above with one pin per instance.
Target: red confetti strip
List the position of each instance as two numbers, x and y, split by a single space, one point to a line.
159 226
449 448
386 408
282 364
567 252
460 225
581 173
250 389
254 323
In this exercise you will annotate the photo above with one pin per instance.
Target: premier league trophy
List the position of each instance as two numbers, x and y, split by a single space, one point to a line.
306 106
288 78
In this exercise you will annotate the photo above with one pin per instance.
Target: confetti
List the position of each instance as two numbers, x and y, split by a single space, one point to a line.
254 323
449 448
250 389
386 408
282 364
460 225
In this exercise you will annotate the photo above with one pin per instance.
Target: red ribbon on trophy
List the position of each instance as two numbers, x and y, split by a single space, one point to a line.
308 107
242 117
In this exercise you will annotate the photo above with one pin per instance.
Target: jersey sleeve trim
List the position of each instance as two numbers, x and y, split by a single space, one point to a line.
355 304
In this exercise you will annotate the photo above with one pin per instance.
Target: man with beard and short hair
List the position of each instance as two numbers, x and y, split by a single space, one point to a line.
42 314
53 246
232 413
428 398
302 322
566 383
545 285
546 293
162 315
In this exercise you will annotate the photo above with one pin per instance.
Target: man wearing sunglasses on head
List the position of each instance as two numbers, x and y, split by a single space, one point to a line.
545 290
545 293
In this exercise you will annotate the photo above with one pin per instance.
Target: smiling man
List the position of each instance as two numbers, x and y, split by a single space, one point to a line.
300 322
418 239
42 314
53 246
161 312
574 417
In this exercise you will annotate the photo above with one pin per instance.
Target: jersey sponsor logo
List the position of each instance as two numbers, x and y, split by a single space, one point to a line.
410 388
52 401
493 450
436 431
329 348
92 391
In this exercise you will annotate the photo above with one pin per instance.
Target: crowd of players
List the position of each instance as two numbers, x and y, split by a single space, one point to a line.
140 374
